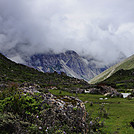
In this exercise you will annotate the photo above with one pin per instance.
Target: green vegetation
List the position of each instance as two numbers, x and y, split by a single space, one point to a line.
19 112
117 113
122 79
30 113
10 71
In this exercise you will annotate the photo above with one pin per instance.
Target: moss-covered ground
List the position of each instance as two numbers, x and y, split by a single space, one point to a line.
120 111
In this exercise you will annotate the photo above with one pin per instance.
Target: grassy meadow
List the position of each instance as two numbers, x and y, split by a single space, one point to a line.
120 111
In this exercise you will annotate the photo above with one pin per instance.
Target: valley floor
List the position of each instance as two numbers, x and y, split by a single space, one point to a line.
119 110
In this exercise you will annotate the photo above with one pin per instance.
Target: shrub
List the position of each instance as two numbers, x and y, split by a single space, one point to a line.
103 112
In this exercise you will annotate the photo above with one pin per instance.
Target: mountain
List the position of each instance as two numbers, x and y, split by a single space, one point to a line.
13 72
69 62
127 64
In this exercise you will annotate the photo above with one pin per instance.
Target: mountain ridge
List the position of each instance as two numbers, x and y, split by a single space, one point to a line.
126 64
69 62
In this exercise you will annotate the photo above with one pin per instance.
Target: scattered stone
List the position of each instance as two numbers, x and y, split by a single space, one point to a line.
91 103
86 102
104 90
132 123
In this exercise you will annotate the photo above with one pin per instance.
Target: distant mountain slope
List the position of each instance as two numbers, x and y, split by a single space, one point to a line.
127 64
122 79
11 71
69 62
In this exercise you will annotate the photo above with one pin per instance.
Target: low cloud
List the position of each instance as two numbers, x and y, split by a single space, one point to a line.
90 27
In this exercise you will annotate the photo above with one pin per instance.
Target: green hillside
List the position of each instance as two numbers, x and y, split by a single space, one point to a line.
13 72
125 65
122 79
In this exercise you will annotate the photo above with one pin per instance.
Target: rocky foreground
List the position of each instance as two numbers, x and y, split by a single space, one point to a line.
66 109
27 110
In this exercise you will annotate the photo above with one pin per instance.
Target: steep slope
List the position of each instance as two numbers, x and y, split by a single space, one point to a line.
127 64
11 71
69 62
122 79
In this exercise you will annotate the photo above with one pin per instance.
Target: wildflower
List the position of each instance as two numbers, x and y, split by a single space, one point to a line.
40 127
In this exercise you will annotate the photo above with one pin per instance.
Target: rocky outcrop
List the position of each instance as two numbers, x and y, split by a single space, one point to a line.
114 94
61 109
104 90
66 109
110 92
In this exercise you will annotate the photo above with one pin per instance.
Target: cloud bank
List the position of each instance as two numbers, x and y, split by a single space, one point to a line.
102 28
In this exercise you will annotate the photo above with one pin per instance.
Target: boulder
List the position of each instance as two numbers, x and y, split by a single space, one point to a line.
113 94
95 91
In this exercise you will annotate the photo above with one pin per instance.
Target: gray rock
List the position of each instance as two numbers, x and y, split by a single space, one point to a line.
69 62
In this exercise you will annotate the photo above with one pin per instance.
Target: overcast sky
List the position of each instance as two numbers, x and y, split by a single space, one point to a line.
102 28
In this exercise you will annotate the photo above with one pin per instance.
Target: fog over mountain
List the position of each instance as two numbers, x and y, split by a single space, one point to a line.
101 28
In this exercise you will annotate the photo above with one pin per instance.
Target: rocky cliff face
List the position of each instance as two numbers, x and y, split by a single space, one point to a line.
69 62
